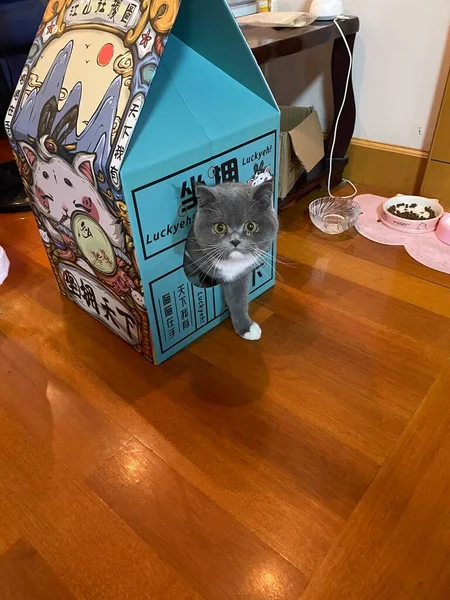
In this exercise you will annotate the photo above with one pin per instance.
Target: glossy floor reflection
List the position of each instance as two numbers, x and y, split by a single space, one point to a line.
312 464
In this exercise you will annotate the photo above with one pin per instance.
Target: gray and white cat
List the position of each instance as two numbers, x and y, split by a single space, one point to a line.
234 227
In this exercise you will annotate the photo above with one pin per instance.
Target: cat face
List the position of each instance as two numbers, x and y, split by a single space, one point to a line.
235 221
60 189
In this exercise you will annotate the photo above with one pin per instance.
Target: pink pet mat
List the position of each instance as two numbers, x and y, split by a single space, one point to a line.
423 247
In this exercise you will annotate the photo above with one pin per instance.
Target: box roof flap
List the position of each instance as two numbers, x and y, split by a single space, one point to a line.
205 104
158 139
219 102
209 27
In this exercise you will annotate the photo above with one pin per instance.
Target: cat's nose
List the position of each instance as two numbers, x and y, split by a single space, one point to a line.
235 243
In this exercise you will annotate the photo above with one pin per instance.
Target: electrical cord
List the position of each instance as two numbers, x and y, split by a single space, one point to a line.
355 191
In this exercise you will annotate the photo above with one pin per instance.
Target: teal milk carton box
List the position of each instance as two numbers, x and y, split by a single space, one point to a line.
122 107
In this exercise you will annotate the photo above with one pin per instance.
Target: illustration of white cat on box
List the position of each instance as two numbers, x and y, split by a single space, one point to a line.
59 189
261 174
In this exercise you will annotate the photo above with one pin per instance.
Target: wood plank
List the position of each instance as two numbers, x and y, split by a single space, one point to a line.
21 233
303 534
78 434
187 529
297 222
79 537
194 435
333 300
279 409
321 347
396 284
155 416
393 257
10 531
24 575
397 542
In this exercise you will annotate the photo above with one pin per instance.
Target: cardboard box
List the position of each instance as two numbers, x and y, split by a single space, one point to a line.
121 107
301 145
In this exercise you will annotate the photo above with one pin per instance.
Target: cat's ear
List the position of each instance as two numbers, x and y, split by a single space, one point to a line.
205 195
29 153
267 170
83 164
263 194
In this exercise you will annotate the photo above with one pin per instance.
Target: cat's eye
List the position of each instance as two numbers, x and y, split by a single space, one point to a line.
68 182
45 174
220 228
250 227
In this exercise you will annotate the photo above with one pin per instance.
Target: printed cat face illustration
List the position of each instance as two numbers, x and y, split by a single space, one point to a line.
261 174
59 189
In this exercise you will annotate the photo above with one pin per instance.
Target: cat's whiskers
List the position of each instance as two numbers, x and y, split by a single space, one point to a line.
278 260
206 259
260 255
203 258
214 264
217 263
210 261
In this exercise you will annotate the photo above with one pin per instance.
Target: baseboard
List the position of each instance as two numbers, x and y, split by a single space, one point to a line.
381 166
394 169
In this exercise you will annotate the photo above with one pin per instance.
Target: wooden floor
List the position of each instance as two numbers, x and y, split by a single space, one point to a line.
314 464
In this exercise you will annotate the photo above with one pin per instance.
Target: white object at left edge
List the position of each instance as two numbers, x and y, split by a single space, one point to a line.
4 265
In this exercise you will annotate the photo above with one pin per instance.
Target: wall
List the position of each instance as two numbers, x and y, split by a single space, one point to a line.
401 62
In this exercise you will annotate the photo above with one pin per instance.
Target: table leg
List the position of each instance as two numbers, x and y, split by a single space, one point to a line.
339 72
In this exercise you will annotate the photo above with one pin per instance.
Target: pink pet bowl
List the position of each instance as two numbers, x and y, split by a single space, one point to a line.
409 225
443 229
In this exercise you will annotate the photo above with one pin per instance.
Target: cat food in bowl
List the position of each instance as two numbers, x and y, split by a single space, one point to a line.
412 214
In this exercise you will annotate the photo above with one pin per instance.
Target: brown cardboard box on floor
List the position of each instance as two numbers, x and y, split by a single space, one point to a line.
301 145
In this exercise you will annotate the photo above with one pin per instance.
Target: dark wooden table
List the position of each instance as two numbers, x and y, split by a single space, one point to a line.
268 44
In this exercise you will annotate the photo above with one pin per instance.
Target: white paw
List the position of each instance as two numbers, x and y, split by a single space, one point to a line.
254 333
